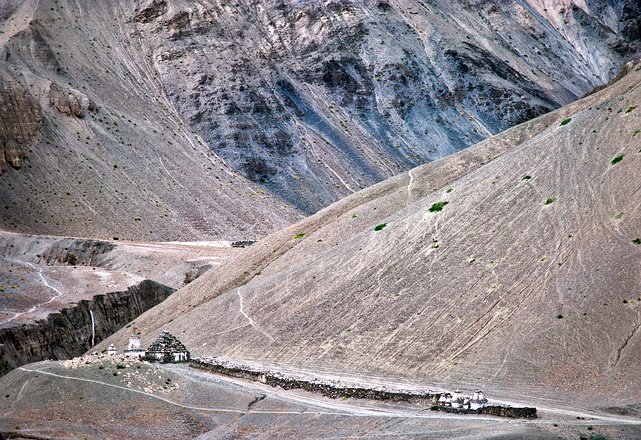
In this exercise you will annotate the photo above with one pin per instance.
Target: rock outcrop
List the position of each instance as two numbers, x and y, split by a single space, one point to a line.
69 102
68 333
20 122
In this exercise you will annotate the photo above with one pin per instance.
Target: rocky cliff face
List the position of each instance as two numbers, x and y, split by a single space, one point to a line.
20 121
315 100
68 333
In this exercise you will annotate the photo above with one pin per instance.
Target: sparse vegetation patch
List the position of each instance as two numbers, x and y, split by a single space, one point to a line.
565 122
526 177
549 201
438 206
380 227
632 107
299 235
617 159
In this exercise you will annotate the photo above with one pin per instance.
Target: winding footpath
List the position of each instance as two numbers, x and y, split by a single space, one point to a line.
317 405
38 269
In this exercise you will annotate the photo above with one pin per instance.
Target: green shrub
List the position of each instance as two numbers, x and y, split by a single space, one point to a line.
526 177
438 206
636 241
380 227
120 366
559 316
299 235
565 121
549 201
632 107
617 159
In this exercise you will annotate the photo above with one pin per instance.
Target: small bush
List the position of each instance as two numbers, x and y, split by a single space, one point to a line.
617 159
549 201
434 408
636 241
438 206
526 177
632 107
299 235
380 227
565 122
559 316
120 367
101 367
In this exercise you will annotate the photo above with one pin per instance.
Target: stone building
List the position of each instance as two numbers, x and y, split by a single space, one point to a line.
167 348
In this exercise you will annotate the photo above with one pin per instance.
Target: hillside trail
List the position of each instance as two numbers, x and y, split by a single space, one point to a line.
322 406
57 292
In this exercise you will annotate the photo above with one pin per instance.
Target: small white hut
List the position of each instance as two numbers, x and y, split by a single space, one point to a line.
457 399
478 401
445 399
134 349
111 350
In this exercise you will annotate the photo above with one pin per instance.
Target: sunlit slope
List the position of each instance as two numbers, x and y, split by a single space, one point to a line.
527 279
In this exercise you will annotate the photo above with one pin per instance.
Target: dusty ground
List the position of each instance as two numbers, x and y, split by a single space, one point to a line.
175 401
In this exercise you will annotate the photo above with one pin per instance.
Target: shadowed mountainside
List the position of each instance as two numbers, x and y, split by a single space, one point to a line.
316 100
150 119
512 266
95 148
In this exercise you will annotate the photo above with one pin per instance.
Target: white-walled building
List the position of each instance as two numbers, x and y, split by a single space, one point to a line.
478 401
134 348
457 399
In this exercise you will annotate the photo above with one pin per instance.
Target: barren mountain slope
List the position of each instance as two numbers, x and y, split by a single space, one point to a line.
95 147
122 115
525 282
319 99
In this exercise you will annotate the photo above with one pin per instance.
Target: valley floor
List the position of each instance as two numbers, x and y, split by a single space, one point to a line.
139 400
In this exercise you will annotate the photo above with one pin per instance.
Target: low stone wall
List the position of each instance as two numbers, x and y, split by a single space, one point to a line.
493 410
336 389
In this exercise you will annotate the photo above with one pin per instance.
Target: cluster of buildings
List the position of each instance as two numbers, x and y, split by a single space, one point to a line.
166 348
458 400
